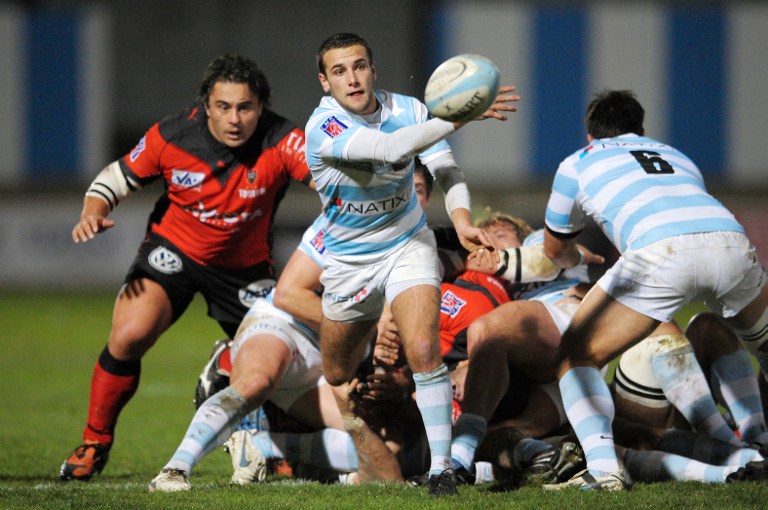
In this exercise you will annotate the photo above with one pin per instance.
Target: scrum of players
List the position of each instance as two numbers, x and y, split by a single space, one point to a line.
517 310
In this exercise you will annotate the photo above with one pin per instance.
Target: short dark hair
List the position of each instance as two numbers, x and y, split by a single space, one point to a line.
614 112
234 69
341 40
429 180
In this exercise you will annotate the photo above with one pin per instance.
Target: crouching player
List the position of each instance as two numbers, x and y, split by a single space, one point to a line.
274 355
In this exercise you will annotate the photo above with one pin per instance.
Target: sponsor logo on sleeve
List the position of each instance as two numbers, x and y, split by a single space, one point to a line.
138 149
317 242
333 127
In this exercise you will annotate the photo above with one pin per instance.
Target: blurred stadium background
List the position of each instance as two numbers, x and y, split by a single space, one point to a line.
80 82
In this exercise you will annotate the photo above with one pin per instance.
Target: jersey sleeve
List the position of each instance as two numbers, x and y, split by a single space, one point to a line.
293 150
563 214
142 164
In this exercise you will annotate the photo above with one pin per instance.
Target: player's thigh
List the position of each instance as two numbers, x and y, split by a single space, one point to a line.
259 365
344 345
142 313
750 314
416 312
522 327
602 328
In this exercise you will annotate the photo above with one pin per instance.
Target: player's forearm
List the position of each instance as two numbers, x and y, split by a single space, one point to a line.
111 185
94 207
400 145
301 303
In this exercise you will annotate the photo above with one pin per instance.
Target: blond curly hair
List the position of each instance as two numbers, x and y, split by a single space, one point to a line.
490 218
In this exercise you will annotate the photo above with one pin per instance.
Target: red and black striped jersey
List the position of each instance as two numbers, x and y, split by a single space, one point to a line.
219 203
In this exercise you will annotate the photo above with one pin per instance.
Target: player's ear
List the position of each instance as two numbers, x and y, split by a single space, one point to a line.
324 82
373 70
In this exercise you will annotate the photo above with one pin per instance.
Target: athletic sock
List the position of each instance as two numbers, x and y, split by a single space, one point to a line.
739 388
656 466
327 448
685 386
113 384
434 399
705 449
754 337
589 406
211 426
468 434
527 449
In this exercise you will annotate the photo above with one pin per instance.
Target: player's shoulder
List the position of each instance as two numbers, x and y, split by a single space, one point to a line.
396 102
183 124
273 128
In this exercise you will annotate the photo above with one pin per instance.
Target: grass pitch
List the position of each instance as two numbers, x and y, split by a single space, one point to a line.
49 345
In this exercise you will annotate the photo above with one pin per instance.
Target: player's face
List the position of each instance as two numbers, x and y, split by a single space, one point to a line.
421 189
503 236
349 77
233 113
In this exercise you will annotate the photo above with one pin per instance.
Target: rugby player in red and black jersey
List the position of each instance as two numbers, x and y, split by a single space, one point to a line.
226 163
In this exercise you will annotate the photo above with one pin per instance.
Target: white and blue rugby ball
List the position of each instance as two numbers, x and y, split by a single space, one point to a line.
462 87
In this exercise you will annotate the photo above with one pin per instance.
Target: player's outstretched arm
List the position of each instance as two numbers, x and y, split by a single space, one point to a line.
93 220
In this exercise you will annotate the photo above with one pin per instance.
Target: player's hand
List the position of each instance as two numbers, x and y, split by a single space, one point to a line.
458 377
589 257
475 239
385 385
483 261
90 225
501 104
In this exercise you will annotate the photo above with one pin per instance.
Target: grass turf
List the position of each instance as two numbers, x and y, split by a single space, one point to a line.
49 345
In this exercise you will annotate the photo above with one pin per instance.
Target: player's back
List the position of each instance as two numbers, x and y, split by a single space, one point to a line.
640 190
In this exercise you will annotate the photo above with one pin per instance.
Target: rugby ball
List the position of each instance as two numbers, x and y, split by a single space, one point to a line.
461 88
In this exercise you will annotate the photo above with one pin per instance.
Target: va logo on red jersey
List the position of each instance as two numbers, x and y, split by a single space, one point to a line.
333 127
451 304
186 179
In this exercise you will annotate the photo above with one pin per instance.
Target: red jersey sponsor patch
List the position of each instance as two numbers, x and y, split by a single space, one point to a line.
333 127
451 304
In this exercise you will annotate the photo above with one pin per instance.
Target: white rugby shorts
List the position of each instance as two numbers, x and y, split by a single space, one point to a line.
356 290
304 372
719 268
560 306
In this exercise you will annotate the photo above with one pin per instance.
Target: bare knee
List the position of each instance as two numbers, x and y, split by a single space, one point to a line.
337 376
131 340
256 387
423 354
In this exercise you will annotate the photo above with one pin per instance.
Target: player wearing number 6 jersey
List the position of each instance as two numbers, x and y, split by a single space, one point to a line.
677 244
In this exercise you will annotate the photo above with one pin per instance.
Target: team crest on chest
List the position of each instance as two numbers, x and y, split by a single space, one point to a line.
333 127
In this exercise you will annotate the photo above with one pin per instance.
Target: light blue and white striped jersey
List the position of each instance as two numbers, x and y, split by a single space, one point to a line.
370 207
637 190
312 242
